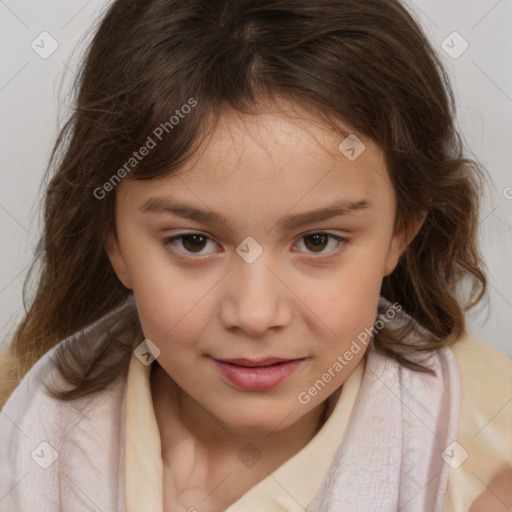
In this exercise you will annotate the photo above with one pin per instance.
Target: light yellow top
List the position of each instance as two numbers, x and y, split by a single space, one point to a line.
485 428
484 433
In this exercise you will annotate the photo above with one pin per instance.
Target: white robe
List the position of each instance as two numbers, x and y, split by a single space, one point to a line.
57 455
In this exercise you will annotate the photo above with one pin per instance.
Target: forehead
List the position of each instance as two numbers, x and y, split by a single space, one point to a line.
284 158
272 141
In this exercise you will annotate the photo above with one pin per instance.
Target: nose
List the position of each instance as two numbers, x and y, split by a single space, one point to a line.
256 299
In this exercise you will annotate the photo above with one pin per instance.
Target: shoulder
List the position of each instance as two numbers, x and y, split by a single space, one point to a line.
30 394
29 435
30 411
484 449
474 353
486 387
31 403
485 376
42 436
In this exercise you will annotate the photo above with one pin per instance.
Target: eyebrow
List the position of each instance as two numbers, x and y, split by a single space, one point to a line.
336 209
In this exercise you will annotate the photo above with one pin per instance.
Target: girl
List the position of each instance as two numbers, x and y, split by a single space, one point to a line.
250 286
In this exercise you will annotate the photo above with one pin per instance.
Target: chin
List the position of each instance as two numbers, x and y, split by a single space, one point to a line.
255 427
257 422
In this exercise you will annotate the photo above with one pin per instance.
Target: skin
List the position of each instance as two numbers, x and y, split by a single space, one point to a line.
212 303
498 495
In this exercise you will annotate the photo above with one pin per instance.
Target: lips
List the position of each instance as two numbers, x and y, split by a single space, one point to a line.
257 375
249 363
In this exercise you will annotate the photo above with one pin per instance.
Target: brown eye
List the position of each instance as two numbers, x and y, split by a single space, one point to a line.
323 244
316 242
190 243
194 243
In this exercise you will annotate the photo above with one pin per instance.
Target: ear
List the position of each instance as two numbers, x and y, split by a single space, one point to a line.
400 241
117 260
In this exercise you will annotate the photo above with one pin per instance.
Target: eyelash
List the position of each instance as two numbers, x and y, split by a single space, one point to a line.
341 245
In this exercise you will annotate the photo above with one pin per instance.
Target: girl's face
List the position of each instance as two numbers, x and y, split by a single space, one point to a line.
270 245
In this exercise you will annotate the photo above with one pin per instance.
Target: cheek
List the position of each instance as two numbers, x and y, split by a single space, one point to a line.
174 305
347 295
345 306
169 313
163 292
348 314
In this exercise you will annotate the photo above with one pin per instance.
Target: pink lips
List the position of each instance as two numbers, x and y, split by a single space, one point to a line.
257 375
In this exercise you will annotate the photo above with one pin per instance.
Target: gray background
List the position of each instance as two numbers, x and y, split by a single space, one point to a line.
34 100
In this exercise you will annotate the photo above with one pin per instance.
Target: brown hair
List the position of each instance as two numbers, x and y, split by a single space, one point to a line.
367 64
